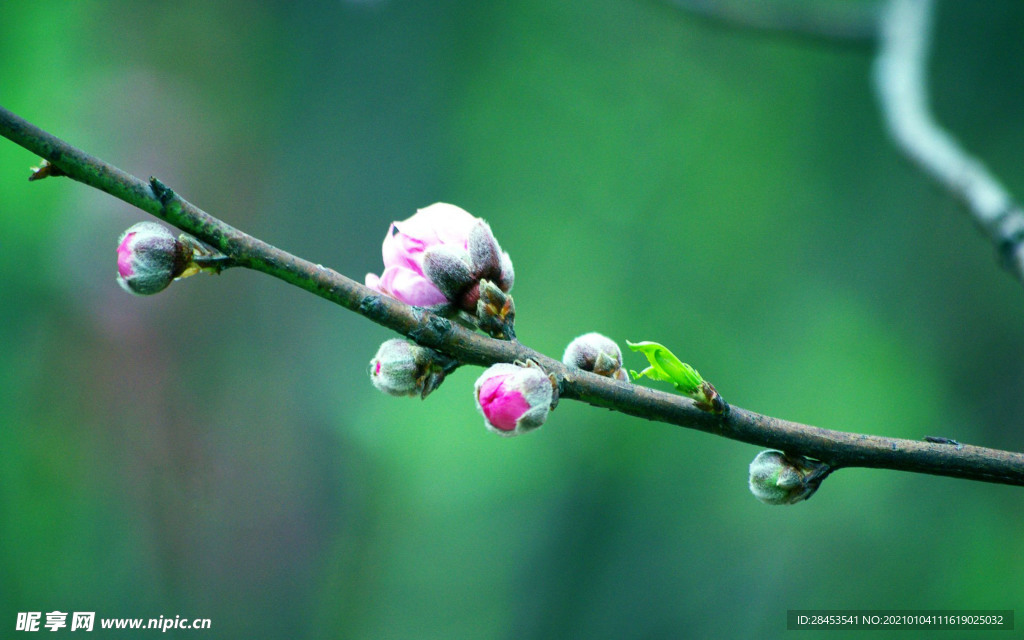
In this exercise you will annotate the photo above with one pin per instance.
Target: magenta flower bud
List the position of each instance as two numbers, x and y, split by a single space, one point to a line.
597 353
149 258
514 399
438 256
402 368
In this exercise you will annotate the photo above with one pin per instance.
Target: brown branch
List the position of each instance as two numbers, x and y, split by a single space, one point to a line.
836 448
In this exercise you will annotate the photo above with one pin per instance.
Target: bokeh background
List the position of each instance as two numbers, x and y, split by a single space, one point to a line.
217 450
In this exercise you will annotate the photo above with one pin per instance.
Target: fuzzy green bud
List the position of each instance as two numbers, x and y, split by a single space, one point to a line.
778 478
597 353
402 368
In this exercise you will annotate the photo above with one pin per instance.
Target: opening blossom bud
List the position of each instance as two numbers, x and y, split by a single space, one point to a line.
777 478
447 231
402 368
150 257
514 399
597 353
442 255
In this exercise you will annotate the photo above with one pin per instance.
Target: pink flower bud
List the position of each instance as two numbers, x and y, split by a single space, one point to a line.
150 257
514 399
597 353
432 258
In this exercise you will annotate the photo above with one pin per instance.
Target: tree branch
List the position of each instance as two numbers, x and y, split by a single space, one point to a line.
901 83
835 448
903 28
843 22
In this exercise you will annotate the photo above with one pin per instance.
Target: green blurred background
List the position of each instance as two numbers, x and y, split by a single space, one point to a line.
217 450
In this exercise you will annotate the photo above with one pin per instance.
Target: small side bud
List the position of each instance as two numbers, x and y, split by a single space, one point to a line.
149 258
45 170
778 478
597 353
515 399
402 368
495 312
708 399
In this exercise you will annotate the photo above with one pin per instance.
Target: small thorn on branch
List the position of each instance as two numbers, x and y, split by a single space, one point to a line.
162 192
45 170
941 440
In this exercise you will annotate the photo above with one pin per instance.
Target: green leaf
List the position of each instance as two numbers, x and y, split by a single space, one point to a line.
665 366
651 373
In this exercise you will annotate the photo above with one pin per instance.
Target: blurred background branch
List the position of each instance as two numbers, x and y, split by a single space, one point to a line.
903 30
831 22
901 80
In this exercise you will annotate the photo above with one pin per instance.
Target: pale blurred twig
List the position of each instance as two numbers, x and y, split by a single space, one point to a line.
845 21
903 30
901 82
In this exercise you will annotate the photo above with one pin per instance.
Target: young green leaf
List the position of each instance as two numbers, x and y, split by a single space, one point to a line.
666 367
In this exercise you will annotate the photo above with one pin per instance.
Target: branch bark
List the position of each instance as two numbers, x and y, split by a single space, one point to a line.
836 448
901 84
